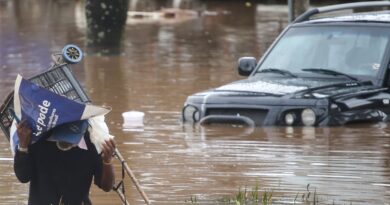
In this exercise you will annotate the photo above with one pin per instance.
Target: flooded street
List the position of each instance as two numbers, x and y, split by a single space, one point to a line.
162 62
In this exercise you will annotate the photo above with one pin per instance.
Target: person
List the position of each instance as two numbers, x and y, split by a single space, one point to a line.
61 173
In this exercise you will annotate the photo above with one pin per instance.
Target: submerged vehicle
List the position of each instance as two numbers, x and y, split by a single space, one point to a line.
320 71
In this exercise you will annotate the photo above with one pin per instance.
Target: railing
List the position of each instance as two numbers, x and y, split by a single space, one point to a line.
306 16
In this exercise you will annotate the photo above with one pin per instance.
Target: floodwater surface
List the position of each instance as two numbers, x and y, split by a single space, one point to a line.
161 64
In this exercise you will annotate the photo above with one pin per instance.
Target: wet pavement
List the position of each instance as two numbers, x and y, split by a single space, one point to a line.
161 64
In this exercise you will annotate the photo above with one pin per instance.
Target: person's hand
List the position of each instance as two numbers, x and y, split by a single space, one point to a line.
24 134
108 149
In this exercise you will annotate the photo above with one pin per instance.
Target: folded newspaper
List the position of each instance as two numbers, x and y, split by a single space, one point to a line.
45 110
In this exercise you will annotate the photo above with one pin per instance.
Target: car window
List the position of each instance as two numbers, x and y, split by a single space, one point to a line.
354 50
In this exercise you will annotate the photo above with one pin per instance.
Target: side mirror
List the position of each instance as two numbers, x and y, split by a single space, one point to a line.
246 65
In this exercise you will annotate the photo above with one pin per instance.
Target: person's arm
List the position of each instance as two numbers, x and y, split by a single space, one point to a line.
22 159
108 176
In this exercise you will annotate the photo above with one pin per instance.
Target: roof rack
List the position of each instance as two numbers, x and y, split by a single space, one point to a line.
306 16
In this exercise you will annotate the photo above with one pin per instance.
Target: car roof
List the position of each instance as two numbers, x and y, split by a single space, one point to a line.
383 17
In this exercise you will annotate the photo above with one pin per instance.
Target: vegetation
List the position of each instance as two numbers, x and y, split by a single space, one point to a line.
256 197
106 21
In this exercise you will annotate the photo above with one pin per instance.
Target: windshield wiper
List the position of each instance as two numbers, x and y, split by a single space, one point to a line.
277 70
329 72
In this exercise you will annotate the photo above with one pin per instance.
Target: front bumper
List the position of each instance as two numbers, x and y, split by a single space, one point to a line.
252 115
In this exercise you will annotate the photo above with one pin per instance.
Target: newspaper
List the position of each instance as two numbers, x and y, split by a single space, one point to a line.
45 110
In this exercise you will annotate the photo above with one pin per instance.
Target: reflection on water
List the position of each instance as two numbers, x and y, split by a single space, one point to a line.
161 65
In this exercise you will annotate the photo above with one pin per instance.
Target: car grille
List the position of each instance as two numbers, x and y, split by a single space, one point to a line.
257 115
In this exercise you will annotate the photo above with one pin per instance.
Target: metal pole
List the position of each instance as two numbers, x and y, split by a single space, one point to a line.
132 176
122 197
291 11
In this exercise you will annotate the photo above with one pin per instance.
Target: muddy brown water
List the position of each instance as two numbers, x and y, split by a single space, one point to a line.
161 64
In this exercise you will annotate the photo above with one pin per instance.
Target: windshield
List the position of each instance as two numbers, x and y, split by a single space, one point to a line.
353 50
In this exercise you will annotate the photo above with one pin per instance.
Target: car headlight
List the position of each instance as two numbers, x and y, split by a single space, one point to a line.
308 117
290 118
190 114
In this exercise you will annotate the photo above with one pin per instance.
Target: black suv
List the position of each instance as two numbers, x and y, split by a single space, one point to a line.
320 71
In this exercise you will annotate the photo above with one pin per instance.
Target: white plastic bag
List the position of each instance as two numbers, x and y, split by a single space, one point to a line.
98 132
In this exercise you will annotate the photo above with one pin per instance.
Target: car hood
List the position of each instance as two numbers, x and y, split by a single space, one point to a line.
284 86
